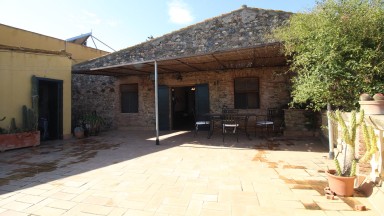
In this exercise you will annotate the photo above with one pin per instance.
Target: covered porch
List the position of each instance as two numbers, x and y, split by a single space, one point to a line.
249 79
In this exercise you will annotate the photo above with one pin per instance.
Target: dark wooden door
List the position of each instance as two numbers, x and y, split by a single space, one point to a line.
163 101
202 99
50 105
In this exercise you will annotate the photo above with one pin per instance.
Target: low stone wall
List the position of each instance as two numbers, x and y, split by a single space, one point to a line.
300 123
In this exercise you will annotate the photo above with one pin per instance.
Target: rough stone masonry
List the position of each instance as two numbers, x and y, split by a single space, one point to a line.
239 29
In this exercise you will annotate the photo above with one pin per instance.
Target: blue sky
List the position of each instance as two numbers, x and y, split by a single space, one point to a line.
124 23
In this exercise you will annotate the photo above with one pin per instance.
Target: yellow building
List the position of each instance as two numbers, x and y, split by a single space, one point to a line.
24 54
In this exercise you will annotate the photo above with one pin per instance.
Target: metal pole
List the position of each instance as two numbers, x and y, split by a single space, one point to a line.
330 133
156 106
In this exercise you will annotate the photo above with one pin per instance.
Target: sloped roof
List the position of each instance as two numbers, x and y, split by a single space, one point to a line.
239 36
265 55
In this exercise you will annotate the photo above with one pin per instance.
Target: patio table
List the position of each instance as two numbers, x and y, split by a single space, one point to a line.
216 117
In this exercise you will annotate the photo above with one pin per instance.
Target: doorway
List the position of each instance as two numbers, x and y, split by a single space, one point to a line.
182 107
50 109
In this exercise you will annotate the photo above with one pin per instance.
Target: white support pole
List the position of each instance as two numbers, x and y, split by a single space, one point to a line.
156 106
330 133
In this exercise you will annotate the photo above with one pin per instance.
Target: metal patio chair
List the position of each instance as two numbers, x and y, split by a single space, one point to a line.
267 121
201 121
230 123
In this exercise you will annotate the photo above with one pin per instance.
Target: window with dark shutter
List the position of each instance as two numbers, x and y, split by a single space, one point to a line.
247 93
129 98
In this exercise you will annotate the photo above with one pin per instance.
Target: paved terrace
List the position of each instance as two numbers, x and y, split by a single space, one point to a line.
125 173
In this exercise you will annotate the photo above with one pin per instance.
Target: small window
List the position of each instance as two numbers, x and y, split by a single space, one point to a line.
129 98
247 93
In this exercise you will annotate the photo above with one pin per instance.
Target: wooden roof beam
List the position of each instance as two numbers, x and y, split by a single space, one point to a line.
186 64
218 61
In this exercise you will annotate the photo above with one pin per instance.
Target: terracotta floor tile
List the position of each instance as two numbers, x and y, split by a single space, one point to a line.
125 173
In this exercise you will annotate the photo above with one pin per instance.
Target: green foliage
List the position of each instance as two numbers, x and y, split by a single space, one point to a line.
336 52
93 123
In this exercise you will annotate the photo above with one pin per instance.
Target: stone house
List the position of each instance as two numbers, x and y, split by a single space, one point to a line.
226 61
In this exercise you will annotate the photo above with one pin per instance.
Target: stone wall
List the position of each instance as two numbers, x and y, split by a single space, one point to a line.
94 93
221 84
239 29
242 28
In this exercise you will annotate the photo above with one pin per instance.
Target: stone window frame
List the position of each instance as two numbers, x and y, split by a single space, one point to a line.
244 88
130 92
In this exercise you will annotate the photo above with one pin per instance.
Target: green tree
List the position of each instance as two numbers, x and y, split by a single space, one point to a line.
336 52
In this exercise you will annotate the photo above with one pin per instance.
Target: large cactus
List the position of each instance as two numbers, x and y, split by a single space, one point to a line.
30 116
349 137
370 141
29 119
12 127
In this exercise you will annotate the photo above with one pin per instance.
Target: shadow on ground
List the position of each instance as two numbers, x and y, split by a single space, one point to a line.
53 159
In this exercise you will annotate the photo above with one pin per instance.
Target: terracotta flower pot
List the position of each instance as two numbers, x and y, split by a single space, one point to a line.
78 132
365 97
375 107
341 185
19 140
378 97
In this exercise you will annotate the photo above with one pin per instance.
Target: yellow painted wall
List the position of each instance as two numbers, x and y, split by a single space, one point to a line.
15 37
16 70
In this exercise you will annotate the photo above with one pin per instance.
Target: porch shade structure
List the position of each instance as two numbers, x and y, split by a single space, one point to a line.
263 55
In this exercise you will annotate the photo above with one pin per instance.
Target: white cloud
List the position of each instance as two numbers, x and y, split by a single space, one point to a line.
89 14
90 18
179 12
112 23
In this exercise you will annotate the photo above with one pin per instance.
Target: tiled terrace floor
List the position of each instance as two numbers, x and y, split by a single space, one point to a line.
125 173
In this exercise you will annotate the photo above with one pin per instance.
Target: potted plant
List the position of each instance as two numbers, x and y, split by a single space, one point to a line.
15 137
28 134
341 179
78 132
93 123
378 97
365 97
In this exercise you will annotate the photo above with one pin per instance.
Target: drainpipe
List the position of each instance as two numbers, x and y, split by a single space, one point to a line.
156 106
330 133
